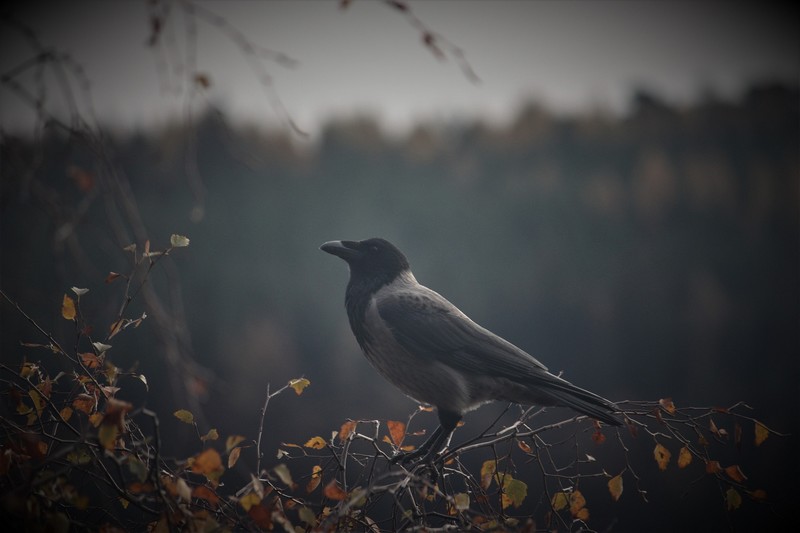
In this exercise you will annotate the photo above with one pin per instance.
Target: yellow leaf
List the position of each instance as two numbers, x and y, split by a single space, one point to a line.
68 308
761 433
234 456
733 498
559 501
66 413
184 416
346 429
397 430
299 384
461 501
178 241
583 514
684 457
615 486
249 500
211 435
38 402
662 456
317 443
487 472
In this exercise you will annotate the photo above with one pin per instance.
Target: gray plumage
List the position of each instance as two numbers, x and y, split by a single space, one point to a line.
434 353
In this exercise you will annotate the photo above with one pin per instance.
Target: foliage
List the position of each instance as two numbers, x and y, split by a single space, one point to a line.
74 454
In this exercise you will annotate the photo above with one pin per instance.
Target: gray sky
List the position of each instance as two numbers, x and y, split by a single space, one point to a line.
571 56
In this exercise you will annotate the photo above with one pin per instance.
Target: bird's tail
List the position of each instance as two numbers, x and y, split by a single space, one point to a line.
563 393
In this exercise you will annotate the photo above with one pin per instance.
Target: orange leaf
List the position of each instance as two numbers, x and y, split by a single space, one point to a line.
598 437
524 446
759 495
316 477
713 467
68 308
684 457
735 473
111 277
316 443
583 514
346 429
667 405
84 403
209 463
205 493
576 502
397 430
333 491
662 456
615 486
89 360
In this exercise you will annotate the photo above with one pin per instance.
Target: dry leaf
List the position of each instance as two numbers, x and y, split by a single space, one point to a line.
761 433
316 443
333 491
299 384
233 456
397 430
346 429
667 405
662 456
735 473
684 457
615 487
68 308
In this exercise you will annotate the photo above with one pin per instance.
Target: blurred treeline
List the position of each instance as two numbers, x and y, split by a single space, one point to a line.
651 255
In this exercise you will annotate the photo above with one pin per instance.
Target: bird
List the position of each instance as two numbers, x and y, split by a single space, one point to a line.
430 350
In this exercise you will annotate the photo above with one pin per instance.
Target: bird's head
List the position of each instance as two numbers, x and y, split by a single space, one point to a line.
370 257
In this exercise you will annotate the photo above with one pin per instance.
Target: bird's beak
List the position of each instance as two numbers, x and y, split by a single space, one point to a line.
347 250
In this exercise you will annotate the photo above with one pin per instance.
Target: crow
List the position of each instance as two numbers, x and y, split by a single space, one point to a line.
434 353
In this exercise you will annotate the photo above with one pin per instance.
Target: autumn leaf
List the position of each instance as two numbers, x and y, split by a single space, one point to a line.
684 457
100 347
211 435
316 477
249 500
66 413
733 499
761 433
107 435
282 471
346 429
89 360
487 472
205 493
316 443
760 495
559 501
461 501
514 492
178 241
598 437
333 491
735 473
713 467
84 403
667 405
68 308
233 456
615 487
662 456
184 416
209 463
232 441
582 514
524 446
111 277
397 430
576 502
299 384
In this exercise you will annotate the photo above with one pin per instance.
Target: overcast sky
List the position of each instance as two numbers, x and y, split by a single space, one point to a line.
571 56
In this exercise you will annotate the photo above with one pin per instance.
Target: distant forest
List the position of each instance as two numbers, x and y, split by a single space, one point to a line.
650 255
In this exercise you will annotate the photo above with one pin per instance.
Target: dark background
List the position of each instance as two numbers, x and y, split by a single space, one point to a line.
649 254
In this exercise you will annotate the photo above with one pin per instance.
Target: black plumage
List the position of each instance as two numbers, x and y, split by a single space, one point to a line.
434 353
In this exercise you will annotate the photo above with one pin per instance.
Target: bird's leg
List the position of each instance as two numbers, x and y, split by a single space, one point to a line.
448 420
